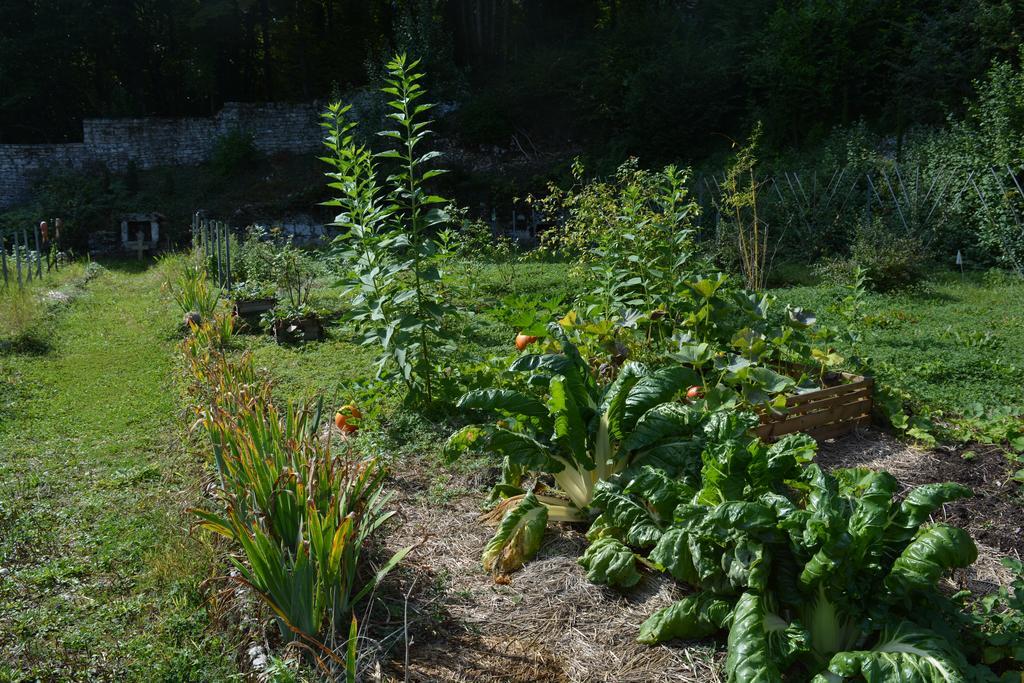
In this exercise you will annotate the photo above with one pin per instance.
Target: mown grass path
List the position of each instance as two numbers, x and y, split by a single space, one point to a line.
99 579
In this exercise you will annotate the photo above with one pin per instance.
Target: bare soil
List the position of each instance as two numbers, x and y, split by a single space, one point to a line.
448 621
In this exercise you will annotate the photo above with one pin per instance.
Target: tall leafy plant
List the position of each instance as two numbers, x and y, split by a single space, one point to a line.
739 201
389 245
576 430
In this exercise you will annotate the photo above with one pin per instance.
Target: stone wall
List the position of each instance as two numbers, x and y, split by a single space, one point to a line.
151 142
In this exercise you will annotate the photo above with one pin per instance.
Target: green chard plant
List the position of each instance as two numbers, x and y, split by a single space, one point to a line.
813 574
575 430
389 245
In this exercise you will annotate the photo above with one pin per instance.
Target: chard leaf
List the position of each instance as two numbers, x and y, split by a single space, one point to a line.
724 473
518 449
608 561
614 403
871 514
654 389
505 400
661 493
518 537
727 425
672 553
570 428
752 657
553 362
662 421
695 616
907 654
623 517
789 451
919 505
676 456
933 552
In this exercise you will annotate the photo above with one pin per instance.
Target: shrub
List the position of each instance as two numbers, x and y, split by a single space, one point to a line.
632 235
891 261
234 151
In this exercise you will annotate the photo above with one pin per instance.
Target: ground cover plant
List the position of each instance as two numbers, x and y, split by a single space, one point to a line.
502 463
100 580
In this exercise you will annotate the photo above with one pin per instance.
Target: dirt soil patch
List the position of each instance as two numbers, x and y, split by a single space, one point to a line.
449 622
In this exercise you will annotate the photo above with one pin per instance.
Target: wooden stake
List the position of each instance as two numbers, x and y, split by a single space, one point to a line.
39 255
3 259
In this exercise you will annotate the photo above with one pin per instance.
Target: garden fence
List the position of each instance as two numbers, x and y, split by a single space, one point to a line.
816 209
23 254
213 239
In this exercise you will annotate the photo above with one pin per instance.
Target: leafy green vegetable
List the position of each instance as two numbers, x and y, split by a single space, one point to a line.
695 616
608 561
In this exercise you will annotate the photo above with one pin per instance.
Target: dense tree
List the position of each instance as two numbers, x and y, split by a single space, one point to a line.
661 78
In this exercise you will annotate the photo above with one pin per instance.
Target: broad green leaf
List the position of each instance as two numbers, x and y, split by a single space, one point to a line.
696 355
662 421
569 427
907 654
749 660
672 553
654 389
608 561
933 552
506 400
695 616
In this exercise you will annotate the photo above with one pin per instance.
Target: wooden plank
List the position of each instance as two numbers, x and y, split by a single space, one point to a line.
39 254
859 407
17 258
857 394
834 431
811 421
831 391
24 246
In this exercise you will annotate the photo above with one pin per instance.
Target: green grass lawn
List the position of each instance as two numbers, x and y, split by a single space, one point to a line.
100 578
955 346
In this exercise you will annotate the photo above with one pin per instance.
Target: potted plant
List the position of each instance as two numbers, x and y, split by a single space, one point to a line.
252 297
294 316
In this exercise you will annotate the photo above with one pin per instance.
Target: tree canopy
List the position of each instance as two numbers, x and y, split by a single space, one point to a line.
660 78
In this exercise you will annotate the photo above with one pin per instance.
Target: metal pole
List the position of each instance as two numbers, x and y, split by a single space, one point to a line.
39 254
227 254
3 259
206 244
220 276
17 258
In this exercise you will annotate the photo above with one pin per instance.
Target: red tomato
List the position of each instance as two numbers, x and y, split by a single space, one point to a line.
524 340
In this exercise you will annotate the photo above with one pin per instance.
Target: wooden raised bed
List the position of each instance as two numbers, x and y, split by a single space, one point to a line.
824 413
247 307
